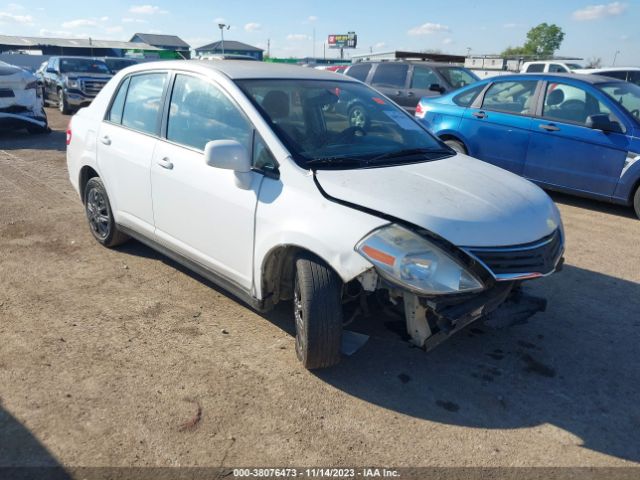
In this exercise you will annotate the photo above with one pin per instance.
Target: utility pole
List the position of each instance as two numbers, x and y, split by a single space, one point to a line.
615 57
222 27
268 47
314 44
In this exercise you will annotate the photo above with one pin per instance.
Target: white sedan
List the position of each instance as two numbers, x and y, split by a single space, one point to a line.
243 172
21 103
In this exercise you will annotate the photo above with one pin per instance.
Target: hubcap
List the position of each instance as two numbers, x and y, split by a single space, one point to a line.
297 312
98 213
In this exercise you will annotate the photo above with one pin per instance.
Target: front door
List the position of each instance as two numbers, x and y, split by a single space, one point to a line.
201 211
498 131
391 79
564 152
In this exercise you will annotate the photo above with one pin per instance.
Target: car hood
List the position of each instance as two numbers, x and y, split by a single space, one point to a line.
466 201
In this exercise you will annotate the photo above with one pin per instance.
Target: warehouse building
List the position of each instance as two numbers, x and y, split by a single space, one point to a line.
167 43
230 47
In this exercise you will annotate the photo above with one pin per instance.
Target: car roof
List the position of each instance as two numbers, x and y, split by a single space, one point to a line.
74 57
591 79
420 62
591 71
244 69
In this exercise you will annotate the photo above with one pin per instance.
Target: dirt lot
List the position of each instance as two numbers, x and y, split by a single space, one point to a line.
106 356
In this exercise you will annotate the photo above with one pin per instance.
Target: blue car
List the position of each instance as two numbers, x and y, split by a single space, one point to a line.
573 133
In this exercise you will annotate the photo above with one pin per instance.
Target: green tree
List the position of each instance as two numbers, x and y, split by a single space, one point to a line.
542 41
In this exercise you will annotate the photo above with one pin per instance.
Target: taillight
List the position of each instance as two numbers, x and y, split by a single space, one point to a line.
420 111
69 133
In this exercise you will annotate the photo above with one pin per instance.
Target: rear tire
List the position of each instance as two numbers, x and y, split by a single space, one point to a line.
99 215
457 146
318 313
636 201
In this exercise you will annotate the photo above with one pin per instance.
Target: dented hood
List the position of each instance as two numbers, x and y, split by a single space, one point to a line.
466 201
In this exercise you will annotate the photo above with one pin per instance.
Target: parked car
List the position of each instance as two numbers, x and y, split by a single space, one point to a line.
549 66
228 56
73 82
238 171
20 103
628 74
574 133
116 64
405 82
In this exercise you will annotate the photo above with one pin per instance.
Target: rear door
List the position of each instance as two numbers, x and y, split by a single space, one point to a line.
564 152
421 78
199 210
391 78
497 131
126 141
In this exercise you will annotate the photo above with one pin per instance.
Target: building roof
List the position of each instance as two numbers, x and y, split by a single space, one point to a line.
162 40
15 41
229 45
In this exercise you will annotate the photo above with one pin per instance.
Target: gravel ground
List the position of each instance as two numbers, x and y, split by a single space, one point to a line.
122 358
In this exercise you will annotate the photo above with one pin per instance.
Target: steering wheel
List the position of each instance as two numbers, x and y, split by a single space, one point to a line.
350 132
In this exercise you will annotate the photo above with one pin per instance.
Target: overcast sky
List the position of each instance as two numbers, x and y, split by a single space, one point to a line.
592 29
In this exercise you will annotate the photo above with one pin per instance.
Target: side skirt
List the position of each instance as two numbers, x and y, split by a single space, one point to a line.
222 282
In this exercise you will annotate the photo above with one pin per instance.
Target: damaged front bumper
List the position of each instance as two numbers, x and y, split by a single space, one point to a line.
23 112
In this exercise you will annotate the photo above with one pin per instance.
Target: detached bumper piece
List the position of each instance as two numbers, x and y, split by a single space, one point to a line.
430 322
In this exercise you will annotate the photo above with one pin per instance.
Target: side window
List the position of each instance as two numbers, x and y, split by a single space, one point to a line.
620 75
466 98
535 68
262 157
200 113
510 97
142 106
115 112
359 71
555 68
567 103
634 77
423 77
390 75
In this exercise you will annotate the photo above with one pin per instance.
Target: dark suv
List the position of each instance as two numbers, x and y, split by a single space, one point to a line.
73 82
405 82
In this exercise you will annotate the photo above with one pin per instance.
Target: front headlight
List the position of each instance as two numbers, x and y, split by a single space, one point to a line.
72 83
411 261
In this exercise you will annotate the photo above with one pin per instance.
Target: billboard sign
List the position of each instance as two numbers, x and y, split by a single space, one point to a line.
349 40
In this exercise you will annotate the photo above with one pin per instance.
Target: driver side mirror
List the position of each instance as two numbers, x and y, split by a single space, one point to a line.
435 87
603 122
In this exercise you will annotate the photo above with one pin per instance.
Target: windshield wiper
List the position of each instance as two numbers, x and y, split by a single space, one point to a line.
430 153
336 162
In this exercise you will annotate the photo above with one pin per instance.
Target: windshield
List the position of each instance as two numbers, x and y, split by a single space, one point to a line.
116 64
335 124
457 76
83 65
626 94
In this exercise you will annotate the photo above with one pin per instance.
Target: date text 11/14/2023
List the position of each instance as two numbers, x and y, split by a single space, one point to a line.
315 472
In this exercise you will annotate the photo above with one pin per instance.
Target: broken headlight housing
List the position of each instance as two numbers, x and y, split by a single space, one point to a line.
411 261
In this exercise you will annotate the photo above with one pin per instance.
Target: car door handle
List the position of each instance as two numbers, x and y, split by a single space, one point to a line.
106 140
479 114
549 127
165 163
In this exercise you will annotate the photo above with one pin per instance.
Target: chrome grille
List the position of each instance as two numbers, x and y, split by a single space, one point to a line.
522 261
91 86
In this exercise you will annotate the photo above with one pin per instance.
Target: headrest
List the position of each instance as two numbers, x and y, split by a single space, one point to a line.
276 104
555 98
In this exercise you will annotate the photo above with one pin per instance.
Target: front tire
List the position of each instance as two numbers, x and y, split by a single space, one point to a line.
99 215
636 201
318 313
63 106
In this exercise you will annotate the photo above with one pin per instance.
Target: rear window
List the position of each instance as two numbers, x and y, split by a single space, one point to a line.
359 72
390 75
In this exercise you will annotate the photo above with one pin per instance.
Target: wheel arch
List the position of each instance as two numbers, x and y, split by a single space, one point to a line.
86 173
450 136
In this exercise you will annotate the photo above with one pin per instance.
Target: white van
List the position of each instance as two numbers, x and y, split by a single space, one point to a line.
244 172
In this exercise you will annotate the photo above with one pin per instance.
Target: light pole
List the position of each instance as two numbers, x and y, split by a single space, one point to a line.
222 26
614 58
